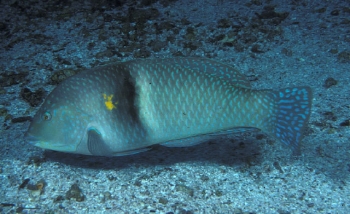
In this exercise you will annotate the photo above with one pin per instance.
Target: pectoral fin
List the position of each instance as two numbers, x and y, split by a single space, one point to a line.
96 145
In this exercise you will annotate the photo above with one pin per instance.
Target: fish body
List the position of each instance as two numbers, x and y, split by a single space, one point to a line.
124 108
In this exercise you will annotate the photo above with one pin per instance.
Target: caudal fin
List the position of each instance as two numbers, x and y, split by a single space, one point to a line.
292 114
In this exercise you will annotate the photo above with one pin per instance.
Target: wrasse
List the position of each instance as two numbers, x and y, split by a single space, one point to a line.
124 108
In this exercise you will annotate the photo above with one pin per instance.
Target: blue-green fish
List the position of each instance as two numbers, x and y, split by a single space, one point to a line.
124 108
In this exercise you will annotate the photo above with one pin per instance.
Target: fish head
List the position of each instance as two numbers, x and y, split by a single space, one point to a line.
58 127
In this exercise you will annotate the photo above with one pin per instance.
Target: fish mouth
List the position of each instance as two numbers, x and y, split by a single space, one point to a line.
31 139
35 141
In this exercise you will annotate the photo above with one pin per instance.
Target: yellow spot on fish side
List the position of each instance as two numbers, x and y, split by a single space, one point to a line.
108 102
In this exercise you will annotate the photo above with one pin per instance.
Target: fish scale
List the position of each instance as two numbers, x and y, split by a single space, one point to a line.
125 108
206 98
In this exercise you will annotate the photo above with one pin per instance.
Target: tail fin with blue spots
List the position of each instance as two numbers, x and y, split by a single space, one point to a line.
292 115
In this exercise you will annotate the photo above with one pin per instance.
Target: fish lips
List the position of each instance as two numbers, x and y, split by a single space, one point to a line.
31 139
47 145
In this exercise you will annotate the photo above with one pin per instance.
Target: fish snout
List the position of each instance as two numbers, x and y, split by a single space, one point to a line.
30 139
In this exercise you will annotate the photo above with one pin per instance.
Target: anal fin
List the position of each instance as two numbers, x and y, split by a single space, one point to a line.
131 152
236 130
192 141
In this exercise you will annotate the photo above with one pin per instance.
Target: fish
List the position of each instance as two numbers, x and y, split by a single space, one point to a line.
124 108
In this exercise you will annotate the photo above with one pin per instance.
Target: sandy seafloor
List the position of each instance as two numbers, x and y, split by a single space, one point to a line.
274 43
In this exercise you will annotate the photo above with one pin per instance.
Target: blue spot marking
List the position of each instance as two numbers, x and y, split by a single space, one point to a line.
293 111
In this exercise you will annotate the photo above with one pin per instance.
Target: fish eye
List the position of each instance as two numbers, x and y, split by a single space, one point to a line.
47 116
